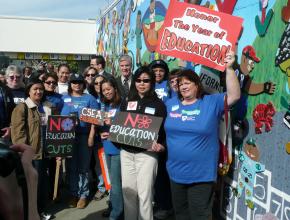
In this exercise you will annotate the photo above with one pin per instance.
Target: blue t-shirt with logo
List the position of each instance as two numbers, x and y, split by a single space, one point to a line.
74 104
192 139
109 147
161 90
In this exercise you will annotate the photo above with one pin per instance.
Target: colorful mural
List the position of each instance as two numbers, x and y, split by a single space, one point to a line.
262 116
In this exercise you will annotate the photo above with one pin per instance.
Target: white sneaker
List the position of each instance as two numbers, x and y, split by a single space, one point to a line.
45 216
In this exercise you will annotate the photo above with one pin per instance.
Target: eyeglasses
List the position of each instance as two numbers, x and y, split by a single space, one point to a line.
50 83
143 80
98 83
90 75
14 77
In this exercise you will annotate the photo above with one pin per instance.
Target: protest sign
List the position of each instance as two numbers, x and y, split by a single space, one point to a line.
198 34
104 168
93 116
136 130
60 136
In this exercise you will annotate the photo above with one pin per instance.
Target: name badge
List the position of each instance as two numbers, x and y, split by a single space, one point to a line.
150 111
132 106
175 107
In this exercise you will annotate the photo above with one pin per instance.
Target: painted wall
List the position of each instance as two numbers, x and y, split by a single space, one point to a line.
259 119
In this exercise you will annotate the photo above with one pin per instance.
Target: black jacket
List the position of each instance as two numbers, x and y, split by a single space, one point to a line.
6 106
160 111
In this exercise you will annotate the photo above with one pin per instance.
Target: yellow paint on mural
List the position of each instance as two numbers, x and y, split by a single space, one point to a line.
20 56
287 146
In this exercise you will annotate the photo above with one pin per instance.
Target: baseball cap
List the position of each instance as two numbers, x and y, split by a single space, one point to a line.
159 63
250 52
75 77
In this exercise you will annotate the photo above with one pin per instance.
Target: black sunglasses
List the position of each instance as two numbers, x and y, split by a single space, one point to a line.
50 82
91 75
143 80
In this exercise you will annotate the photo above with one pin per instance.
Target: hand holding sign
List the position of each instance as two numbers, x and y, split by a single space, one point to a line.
230 60
104 135
156 147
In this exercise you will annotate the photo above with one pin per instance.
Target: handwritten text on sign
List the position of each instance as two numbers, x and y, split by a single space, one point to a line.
198 34
60 136
135 129
92 116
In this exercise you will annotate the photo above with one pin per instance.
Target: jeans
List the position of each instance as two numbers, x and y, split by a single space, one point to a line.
192 201
116 196
41 167
78 167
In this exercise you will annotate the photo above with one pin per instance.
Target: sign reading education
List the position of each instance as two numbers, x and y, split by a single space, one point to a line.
92 116
60 136
198 34
136 130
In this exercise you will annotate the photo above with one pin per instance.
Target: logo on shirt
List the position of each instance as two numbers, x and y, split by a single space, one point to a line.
184 115
175 107
161 93
189 113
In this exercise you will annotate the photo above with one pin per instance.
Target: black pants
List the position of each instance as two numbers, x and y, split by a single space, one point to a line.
192 201
162 195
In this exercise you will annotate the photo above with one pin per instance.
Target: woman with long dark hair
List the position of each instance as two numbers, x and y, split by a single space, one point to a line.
110 101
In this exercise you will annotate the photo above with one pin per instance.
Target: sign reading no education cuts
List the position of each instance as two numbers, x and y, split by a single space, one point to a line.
136 130
60 136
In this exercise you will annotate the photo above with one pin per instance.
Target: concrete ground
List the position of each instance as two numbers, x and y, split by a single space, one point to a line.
93 211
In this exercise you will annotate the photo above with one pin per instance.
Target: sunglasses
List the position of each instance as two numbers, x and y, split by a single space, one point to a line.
90 75
50 83
14 77
143 80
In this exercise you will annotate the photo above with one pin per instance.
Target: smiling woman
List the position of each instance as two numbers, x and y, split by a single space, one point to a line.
192 141
28 123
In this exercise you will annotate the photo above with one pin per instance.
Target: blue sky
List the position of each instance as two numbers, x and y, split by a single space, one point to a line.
67 9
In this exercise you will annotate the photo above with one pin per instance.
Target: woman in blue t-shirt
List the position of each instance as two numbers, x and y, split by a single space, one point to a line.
78 165
110 102
191 128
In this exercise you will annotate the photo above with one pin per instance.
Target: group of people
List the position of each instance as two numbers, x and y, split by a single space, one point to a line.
176 174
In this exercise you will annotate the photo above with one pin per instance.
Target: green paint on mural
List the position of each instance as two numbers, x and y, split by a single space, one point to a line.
266 48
